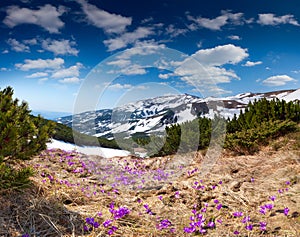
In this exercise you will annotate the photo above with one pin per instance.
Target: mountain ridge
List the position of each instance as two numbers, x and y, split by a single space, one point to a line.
154 114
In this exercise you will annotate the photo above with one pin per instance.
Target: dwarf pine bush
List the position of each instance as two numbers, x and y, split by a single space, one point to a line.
21 136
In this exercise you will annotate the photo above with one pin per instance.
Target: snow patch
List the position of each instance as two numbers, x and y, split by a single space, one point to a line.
88 150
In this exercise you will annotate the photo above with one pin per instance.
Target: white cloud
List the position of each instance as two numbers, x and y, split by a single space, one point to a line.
251 64
109 22
5 51
46 16
60 47
72 71
3 69
120 63
42 80
199 44
204 70
234 37
37 74
278 80
29 64
142 49
174 32
119 86
220 55
217 23
128 38
30 41
133 69
164 76
17 46
271 19
70 80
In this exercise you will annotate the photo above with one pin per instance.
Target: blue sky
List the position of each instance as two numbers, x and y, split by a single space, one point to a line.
53 53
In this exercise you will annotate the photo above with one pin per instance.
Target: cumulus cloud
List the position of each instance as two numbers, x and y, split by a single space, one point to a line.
164 76
46 16
204 69
142 49
29 64
174 32
278 80
217 23
18 46
119 86
70 80
109 22
128 38
60 47
37 74
30 41
70 72
220 55
271 19
120 63
133 69
234 37
252 64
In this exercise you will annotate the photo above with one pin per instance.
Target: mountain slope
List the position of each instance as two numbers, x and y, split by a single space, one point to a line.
153 115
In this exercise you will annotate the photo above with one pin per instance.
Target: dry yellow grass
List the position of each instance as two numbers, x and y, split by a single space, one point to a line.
59 200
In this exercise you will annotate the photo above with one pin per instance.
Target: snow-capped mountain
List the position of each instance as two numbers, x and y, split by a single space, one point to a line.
153 115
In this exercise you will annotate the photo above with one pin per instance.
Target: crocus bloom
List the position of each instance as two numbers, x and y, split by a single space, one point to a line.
246 219
249 227
286 211
273 198
269 206
96 225
263 226
211 224
237 214
164 224
107 223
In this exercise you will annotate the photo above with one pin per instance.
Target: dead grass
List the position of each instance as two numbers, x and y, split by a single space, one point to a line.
49 208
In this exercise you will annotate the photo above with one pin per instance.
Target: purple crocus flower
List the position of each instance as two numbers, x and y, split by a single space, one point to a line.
211 224
219 206
286 211
263 226
249 227
272 198
237 214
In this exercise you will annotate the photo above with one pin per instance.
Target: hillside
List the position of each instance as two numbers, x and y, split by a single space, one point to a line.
153 115
70 187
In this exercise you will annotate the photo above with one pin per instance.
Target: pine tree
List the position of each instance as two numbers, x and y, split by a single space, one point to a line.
21 135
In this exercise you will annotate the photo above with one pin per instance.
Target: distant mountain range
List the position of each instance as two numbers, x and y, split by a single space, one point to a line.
153 115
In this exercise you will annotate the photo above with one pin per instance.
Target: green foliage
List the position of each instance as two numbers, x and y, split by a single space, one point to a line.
11 178
248 141
21 136
66 134
264 110
188 136
262 120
